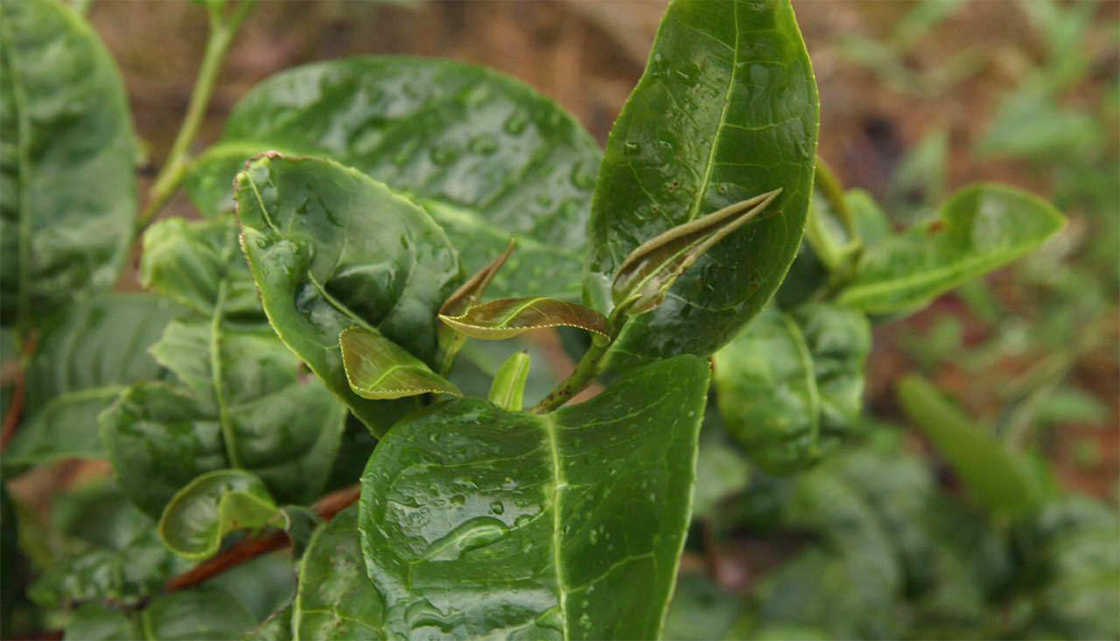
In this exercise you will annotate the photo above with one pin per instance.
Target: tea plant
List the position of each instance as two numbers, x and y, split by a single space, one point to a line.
364 222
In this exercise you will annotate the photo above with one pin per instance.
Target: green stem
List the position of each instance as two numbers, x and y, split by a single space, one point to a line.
585 372
222 31
833 191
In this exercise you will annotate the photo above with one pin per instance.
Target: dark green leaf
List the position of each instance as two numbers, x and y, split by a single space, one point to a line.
643 279
791 385
979 228
96 622
726 110
330 248
336 600
563 525
87 355
69 191
199 614
508 317
700 610
378 369
487 156
508 389
208 508
995 477
263 585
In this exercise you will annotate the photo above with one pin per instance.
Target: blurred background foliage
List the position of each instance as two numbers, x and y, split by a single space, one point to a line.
887 538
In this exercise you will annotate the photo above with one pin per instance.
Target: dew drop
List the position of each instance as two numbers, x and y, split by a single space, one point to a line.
516 123
497 508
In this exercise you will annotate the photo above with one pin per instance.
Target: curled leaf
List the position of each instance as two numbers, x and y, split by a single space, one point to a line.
377 368
508 317
508 389
641 281
210 507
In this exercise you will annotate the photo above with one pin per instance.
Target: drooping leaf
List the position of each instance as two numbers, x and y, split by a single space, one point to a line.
335 599
199 264
484 154
643 279
86 356
329 249
993 476
508 389
790 386
208 508
563 525
66 162
199 614
980 228
508 317
727 109
96 622
379 369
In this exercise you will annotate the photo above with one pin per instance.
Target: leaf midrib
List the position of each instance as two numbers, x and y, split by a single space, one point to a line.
559 484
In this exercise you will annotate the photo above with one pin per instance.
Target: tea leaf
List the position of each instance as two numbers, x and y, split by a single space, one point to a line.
508 389
451 341
508 317
69 188
377 368
993 476
643 279
87 355
199 614
487 156
208 508
727 109
979 228
790 386
330 249
96 622
570 524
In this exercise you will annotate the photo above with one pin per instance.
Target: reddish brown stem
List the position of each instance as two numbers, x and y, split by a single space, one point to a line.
249 549
19 391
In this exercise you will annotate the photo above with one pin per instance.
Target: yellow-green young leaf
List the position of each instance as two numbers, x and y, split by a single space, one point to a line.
994 477
379 369
643 279
451 341
508 317
208 508
980 228
68 195
508 389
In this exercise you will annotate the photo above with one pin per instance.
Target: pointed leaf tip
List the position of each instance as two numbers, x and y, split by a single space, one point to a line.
508 317
379 369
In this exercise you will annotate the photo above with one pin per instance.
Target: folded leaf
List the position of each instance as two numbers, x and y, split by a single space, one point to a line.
484 154
377 368
790 386
86 356
643 279
993 476
980 228
335 598
508 389
66 162
727 109
562 525
329 249
208 508
508 317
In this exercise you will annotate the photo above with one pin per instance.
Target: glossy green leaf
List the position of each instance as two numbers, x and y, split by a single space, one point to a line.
643 279
208 508
86 357
379 369
980 228
791 385
335 599
329 249
508 389
508 317
198 614
484 154
66 161
727 109
96 622
563 525
994 477
199 264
